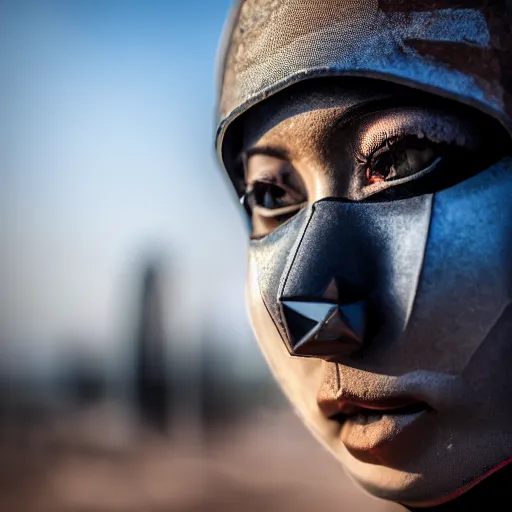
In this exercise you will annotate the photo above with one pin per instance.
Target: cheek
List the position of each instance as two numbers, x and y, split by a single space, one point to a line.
300 378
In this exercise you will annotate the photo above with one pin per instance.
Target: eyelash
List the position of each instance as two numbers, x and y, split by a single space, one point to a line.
438 130
366 157
381 140
389 142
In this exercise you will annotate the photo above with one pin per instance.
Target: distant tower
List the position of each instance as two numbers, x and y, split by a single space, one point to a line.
151 379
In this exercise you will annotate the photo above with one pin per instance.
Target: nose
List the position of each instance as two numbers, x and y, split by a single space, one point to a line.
324 329
324 296
341 276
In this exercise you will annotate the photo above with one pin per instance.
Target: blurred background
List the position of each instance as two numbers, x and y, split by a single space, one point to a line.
129 377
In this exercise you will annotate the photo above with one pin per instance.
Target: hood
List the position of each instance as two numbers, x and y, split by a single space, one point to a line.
459 49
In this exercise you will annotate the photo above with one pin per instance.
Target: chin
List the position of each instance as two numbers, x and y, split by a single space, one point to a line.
433 480
390 484
394 485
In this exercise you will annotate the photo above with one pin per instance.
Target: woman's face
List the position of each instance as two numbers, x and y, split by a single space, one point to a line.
380 279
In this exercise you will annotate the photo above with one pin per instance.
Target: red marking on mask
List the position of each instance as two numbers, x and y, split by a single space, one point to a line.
490 67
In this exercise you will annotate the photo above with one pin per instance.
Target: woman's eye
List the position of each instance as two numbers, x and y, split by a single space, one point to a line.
402 158
269 205
268 196
275 192
273 197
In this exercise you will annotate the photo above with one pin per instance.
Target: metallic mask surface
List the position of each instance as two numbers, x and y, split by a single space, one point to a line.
403 304
459 49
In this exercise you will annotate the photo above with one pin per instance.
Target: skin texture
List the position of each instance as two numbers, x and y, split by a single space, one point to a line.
427 252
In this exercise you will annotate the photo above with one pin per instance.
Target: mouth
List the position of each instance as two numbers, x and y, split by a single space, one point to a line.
381 419
366 415
370 430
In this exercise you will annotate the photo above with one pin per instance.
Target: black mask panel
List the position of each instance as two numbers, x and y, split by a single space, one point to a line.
409 298
434 271
416 264
363 247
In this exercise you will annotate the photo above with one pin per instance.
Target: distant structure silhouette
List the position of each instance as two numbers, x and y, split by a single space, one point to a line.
215 392
83 380
152 392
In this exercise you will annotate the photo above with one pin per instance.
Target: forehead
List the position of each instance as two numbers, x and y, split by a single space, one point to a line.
305 114
459 47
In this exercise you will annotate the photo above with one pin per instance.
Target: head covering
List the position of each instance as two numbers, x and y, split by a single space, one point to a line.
424 282
460 49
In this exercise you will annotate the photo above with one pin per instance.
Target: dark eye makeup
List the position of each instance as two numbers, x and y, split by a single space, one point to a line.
402 157
395 153
268 205
272 198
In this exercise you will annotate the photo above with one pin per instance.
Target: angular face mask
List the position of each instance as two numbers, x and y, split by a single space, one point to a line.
380 262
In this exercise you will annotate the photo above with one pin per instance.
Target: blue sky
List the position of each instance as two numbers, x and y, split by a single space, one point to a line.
107 115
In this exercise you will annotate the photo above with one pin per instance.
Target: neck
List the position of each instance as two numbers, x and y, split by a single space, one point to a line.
494 489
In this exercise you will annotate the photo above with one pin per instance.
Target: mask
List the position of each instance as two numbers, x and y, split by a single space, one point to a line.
384 309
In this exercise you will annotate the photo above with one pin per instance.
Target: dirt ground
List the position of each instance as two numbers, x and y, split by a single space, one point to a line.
96 462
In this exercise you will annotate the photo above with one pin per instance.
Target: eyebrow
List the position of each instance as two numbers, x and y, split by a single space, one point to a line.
244 156
350 115
343 121
359 110
276 152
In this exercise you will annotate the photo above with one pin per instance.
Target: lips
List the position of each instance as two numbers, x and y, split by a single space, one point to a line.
381 435
362 415
349 405
371 427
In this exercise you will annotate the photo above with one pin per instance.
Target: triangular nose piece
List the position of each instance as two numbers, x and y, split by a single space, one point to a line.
316 311
355 315
324 329
332 293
